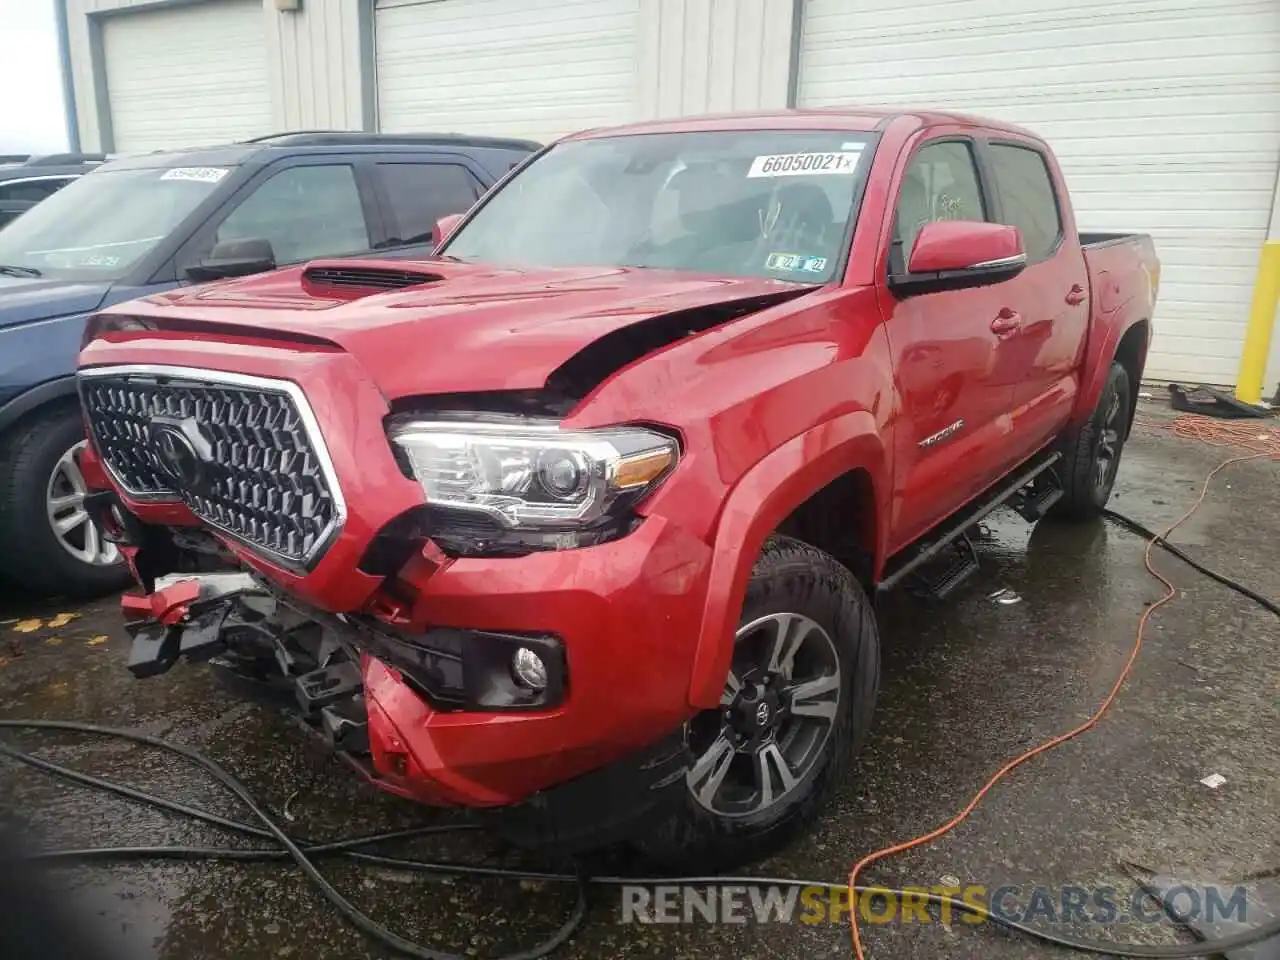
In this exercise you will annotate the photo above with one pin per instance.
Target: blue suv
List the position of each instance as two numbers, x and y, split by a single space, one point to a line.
144 224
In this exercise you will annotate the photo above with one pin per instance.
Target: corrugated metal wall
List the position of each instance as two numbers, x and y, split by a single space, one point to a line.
1164 114
82 64
553 66
313 63
694 56
710 56
166 91
317 73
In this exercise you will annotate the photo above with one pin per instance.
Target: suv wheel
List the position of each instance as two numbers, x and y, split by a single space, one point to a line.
47 541
796 707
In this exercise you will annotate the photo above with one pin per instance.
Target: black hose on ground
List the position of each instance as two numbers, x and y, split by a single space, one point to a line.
1133 526
303 852
353 914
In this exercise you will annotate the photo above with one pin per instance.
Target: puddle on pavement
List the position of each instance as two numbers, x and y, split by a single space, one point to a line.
963 681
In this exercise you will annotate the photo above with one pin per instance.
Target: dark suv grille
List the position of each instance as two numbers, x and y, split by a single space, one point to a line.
239 453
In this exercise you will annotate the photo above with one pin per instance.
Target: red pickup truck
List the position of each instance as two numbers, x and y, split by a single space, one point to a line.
578 521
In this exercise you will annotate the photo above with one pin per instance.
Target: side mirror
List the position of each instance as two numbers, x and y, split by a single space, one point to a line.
957 254
234 258
445 226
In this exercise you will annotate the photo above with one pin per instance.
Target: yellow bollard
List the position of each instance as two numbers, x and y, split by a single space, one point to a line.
1262 317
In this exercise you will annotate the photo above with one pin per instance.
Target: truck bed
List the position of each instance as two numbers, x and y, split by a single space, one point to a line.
1099 239
1123 268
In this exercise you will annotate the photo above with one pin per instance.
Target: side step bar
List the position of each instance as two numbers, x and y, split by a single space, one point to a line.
1019 492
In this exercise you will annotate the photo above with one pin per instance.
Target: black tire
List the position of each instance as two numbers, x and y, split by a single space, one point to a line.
30 553
1085 490
789 577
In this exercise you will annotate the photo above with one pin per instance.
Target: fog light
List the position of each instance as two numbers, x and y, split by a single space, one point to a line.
528 669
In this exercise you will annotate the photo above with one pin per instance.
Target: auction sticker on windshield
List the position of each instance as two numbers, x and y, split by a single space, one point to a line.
842 163
199 174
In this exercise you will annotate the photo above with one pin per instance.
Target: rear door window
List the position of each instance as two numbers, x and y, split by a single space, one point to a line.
422 193
1027 198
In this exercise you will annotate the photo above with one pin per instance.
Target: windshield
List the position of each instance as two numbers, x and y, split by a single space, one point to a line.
758 203
105 222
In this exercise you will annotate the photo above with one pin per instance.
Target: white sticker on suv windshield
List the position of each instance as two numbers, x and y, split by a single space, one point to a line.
805 164
199 174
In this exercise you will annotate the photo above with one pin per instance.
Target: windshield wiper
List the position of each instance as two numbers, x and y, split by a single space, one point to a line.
9 271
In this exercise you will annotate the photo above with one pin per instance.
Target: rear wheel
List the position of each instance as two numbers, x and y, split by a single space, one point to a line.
796 707
1092 453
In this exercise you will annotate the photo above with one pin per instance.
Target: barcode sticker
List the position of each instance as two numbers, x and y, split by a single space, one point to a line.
199 174
841 163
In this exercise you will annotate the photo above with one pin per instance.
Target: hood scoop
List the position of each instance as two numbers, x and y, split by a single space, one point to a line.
363 277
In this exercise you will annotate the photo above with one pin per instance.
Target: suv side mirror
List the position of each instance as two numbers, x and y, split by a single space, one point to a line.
234 258
445 226
958 254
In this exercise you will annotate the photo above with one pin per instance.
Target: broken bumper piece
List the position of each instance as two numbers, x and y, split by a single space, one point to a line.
183 616
204 616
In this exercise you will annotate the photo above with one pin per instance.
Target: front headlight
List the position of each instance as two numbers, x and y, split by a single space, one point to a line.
525 475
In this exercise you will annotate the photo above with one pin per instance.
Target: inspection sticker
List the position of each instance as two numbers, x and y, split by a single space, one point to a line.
805 164
795 262
199 174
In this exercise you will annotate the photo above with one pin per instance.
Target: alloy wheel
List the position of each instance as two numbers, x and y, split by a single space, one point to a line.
72 526
779 706
1107 459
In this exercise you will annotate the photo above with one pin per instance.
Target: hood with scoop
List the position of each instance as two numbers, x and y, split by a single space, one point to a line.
443 326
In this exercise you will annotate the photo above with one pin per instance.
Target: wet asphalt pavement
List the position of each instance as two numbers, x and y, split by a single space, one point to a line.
967 683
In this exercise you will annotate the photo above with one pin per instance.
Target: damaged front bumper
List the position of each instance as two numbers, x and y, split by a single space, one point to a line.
407 670
358 703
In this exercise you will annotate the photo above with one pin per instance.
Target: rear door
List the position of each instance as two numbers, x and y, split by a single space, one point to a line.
954 373
414 192
1051 296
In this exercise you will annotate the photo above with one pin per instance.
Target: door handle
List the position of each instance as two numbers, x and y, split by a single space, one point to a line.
1077 295
1007 323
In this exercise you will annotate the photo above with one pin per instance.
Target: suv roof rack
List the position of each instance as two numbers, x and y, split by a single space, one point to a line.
269 137
65 159
325 138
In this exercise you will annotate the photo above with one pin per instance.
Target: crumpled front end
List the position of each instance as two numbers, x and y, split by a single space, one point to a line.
271 527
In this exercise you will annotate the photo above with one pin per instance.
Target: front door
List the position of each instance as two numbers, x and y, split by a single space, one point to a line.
953 355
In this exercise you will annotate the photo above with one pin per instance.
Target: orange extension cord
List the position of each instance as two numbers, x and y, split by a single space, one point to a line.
1265 443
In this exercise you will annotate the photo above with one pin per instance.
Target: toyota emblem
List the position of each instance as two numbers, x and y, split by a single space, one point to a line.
177 453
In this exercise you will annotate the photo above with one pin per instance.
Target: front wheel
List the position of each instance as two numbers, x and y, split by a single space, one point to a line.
48 542
1091 453
795 710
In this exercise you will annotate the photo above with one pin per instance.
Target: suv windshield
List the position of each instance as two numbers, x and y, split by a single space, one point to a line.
105 222
757 203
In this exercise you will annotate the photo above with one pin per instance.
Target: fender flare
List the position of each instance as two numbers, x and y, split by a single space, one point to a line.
756 505
38 396
1100 364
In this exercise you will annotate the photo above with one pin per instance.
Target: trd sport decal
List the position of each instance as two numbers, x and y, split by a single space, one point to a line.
947 431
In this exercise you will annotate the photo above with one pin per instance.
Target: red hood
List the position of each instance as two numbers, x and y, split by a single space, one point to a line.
476 328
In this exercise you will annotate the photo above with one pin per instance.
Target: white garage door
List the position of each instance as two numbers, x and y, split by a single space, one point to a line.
1165 115
524 68
186 76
